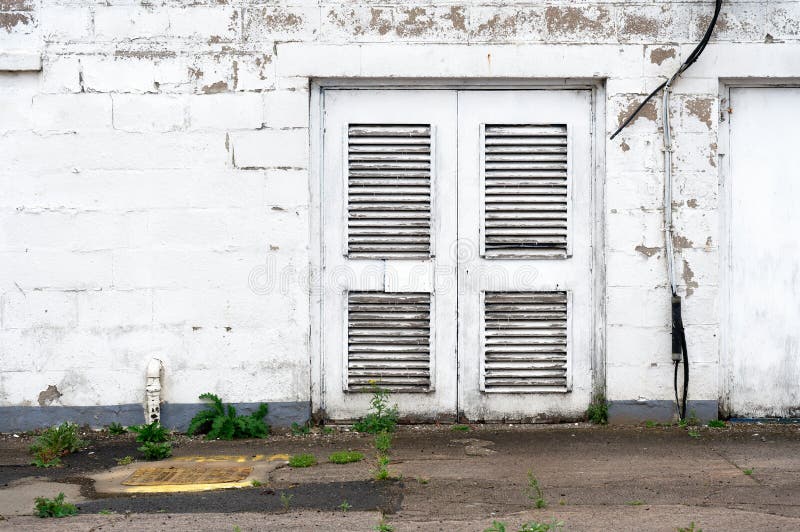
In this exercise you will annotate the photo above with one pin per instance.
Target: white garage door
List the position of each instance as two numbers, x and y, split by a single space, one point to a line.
764 238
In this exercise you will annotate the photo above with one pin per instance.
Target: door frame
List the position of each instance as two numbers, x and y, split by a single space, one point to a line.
725 209
318 87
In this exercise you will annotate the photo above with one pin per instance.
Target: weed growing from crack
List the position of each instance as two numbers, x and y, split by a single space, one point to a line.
116 429
747 472
382 417
152 433
534 491
597 412
345 457
256 483
156 450
219 422
717 424
54 443
690 528
300 430
536 526
383 443
635 503
460 428
345 506
302 460
106 511
125 460
286 500
54 507
694 434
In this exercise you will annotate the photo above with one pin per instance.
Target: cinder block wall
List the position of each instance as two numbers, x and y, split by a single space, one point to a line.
155 176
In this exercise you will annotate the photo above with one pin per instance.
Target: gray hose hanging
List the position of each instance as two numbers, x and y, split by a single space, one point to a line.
679 350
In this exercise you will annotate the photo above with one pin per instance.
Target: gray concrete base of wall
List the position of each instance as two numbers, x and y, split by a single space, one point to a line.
174 416
627 412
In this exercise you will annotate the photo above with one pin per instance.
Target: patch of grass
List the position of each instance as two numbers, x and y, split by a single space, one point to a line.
690 528
286 500
717 424
156 450
300 430
302 460
382 417
747 472
635 503
650 424
497 526
256 483
55 442
383 526
220 423
345 506
534 491
328 430
125 460
694 434
345 457
597 412
460 428
54 507
116 429
682 423
383 442
537 526
152 433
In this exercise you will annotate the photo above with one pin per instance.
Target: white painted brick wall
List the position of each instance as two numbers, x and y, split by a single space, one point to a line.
159 164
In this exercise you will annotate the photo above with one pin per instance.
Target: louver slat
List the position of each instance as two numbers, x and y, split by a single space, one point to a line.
525 342
389 191
525 191
388 341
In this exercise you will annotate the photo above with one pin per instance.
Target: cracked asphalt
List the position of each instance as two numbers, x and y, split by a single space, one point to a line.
593 478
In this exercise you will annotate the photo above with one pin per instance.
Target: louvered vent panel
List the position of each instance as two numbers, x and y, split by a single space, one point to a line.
389 341
525 346
525 180
389 191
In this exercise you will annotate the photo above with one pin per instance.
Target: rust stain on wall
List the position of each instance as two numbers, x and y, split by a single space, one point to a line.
659 55
49 396
700 108
573 19
647 251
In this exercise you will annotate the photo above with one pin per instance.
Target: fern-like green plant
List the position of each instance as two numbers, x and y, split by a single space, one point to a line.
219 422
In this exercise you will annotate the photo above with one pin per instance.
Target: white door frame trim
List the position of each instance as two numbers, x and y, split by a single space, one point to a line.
598 142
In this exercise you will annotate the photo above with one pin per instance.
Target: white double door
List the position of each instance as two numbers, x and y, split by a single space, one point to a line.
457 253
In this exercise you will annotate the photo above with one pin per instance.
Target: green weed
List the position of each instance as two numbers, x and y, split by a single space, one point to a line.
694 434
747 472
383 526
300 430
345 506
328 430
382 471
116 429
534 491
54 507
220 423
383 442
497 526
152 433
717 424
690 528
106 511
536 526
382 417
256 483
55 442
635 503
286 500
125 460
597 412
693 420
345 457
460 428
156 450
302 460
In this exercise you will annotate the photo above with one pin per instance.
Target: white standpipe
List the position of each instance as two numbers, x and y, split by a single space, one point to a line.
152 390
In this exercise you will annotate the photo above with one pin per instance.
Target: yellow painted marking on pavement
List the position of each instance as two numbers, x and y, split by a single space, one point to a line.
276 457
175 488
